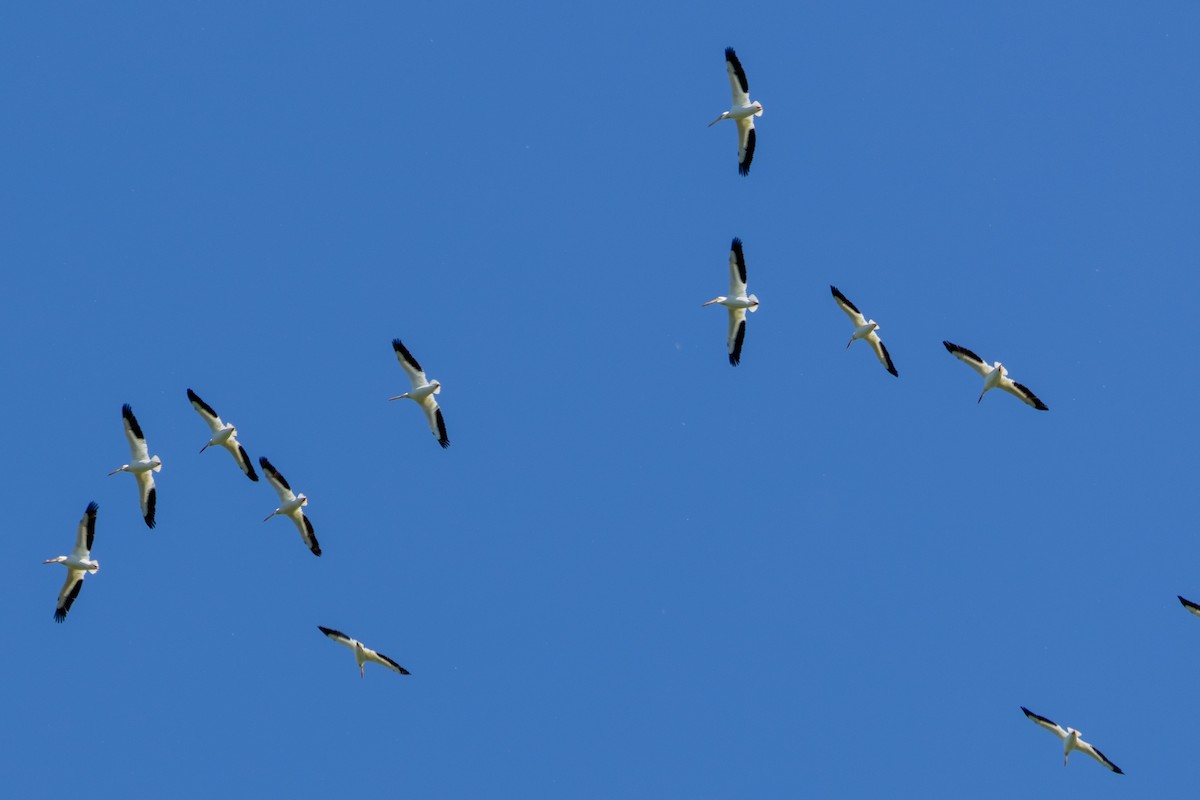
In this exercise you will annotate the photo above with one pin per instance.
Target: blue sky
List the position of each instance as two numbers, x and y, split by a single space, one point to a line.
637 571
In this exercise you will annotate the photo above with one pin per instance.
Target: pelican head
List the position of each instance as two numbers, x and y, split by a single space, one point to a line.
121 468
399 396
725 115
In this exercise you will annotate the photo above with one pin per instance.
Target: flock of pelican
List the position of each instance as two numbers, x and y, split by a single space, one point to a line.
225 435
738 302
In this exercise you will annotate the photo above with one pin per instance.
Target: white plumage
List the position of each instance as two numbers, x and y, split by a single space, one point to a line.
864 329
141 464
290 505
422 392
1071 741
362 653
742 110
738 302
995 376
78 564
223 434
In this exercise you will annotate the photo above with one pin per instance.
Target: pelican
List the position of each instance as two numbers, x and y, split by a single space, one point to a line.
224 435
142 464
422 392
995 376
290 505
742 111
1190 606
864 329
78 564
1071 741
737 302
362 654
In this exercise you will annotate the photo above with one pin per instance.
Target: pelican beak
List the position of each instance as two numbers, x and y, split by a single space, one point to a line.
268 516
115 471
202 449
362 670
398 397
715 121
981 394
710 302
849 342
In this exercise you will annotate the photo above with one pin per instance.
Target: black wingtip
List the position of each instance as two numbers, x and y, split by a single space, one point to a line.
60 616
92 507
893 371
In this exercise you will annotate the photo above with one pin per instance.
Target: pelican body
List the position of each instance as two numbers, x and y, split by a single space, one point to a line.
79 563
995 376
141 464
1071 741
864 329
291 505
742 111
738 302
223 435
422 392
362 653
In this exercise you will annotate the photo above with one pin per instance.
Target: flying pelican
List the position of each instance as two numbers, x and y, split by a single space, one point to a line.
362 654
422 392
142 464
995 376
78 564
1190 606
737 302
1071 741
290 505
742 111
224 435
864 329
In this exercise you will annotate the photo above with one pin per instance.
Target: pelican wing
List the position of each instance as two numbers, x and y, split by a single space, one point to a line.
277 481
416 375
239 455
68 593
1189 605
304 525
881 352
1049 725
737 334
87 532
969 358
147 495
849 308
133 432
437 424
746 139
206 412
1017 390
380 658
337 636
737 269
1084 747
738 85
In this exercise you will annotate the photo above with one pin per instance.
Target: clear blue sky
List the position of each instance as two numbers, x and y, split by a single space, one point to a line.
637 571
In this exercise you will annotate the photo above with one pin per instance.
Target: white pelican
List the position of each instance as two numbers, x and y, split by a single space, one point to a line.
737 302
78 564
223 434
422 392
1071 741
864 329
995 376
142 464
742 111
1190 606
362 654
290 505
